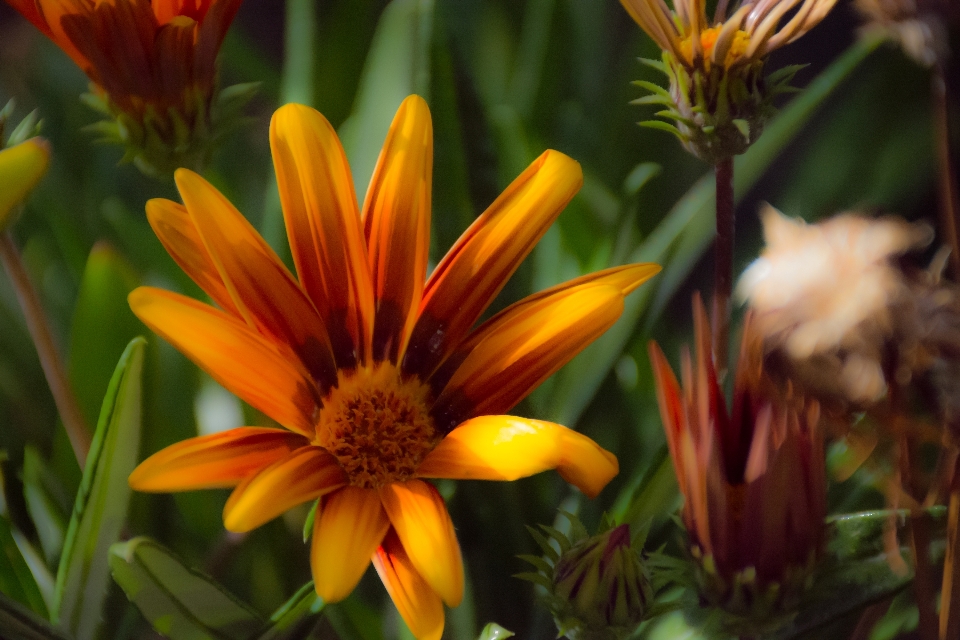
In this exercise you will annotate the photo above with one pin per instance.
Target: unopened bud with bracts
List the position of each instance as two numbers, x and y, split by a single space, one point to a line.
719 99
24 158
597 586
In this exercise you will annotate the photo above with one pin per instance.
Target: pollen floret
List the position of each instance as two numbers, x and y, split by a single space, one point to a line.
378 427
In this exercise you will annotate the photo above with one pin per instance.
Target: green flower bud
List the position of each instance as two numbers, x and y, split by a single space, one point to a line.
599 588
21 168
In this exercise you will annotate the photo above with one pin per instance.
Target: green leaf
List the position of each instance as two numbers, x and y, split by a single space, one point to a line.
493 631
45 503
398 65
101 505
102 325
296 617
181 603
857 572
16 580
19 623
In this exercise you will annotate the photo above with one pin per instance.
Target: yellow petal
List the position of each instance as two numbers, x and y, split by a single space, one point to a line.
347 531
417 603
260 285
268 376
178 235
396 219
21 168
508 448
420 518
323 226
483 259
304 474
528 346
217 460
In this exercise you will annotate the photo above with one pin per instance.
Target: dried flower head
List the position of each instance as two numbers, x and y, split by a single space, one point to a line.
753 480
718 96
152 64
823 296
919 26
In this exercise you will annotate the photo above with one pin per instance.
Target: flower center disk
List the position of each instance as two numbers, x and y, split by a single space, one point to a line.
377 426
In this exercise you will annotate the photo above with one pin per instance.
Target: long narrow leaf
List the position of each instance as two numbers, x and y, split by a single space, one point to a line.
101 506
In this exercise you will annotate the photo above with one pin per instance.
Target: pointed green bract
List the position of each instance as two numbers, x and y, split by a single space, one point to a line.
493 631
296 617
100 510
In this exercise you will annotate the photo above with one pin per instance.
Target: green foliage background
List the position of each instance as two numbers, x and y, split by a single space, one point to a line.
505 80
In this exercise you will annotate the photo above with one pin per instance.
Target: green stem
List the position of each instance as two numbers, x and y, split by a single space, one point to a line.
53 368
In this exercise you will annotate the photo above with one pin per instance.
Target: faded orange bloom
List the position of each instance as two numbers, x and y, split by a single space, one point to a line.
151 61
753 479
379 378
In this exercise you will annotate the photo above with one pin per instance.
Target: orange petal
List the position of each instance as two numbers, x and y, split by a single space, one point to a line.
396 223
529 345
178 235
420 518
304 474
261 287
347 531
217 460
626 278
323 225
418 604
267 376
508 447
483 259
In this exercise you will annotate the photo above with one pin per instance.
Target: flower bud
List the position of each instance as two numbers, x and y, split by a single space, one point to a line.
599 586
21 168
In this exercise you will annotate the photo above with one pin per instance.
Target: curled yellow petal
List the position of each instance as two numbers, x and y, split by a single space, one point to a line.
21 168
305 474
417 603
347 531
420 518
508 448
217 460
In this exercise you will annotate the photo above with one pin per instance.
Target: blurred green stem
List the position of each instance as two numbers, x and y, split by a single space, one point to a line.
723 263
949 200
296 85
50 360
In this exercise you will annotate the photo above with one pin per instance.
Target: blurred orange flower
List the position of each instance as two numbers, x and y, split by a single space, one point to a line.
154 62
376 376
753 480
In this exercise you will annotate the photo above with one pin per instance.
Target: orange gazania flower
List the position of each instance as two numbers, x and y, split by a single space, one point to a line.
376 376
153 61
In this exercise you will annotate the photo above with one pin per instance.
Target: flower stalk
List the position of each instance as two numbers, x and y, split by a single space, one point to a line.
723 267
53 368
947 175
